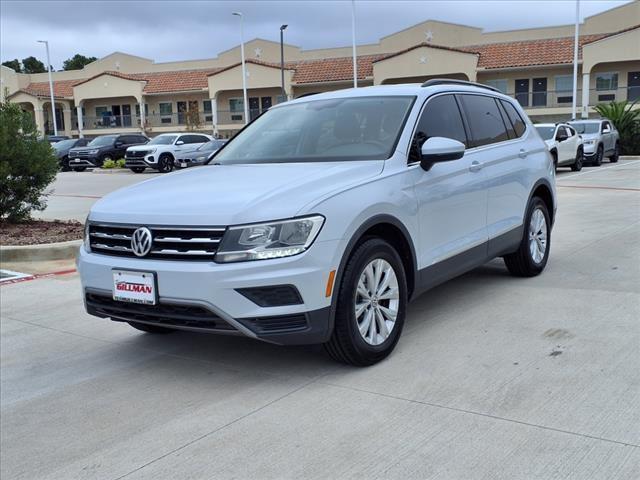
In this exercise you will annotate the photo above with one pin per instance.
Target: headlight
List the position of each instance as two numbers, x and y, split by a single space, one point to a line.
151 150
87 242
268 240
201 159
93 152
589 142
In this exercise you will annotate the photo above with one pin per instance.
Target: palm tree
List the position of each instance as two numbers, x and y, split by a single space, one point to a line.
626 121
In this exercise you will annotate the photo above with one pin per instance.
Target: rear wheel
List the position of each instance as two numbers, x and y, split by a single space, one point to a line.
577 164
371 305
532 254
165 163
137 169
143 327
597 160
616 154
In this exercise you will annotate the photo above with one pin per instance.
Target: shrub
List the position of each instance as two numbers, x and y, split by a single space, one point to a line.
120 163
27 164
109 164
626 121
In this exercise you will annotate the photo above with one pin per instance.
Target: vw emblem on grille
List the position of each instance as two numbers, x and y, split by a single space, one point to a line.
141 241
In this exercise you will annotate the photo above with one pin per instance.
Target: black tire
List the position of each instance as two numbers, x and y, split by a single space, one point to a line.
165 163
554 154
79 169
577 165
64 164
597 160
616 154
104 158
521 263
143 327
137 169
347 344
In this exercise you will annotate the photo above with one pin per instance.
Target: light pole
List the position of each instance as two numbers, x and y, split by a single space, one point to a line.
574 101
353 43
282 29
244 71
53 104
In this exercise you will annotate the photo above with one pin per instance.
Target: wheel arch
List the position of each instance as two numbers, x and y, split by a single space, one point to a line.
543 190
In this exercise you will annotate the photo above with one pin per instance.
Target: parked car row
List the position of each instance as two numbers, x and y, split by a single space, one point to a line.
577 142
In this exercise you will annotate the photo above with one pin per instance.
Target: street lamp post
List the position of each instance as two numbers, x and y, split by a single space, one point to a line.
244 71
53 104
282 29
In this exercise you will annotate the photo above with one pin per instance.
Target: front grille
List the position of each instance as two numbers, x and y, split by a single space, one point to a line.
82 155
137 154
272 296
165 314
129 162
168 243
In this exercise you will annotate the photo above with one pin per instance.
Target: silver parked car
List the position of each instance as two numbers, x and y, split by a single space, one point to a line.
325 216
200 155
599 139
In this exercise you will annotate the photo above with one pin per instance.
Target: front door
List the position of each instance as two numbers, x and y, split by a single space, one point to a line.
126 115
522 92
182 112
539 92
452 196
633 86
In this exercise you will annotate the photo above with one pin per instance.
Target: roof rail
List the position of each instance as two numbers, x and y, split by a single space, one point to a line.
447 81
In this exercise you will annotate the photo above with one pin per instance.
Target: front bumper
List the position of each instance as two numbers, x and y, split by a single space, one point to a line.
146 161
204 296
90 162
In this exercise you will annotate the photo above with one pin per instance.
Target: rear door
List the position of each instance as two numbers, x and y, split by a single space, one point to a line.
565 147
452 196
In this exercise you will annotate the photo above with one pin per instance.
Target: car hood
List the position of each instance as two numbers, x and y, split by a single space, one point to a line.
144 146
589 136
230 194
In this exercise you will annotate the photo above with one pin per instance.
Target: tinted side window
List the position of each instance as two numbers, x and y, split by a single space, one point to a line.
184 139
440 118
484 120
516 120
507 122
196 139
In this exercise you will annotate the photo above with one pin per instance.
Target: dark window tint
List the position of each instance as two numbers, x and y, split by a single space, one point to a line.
484 120
516 120
440 118
505 118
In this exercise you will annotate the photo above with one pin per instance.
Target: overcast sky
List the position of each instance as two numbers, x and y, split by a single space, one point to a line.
181 30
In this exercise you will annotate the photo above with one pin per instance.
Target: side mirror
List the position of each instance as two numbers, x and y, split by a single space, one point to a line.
179 142
440 149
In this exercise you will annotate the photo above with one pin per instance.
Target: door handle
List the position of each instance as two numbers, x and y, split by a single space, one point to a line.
475 166
522 153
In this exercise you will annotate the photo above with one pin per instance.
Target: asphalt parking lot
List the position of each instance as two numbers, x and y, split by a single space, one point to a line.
493 378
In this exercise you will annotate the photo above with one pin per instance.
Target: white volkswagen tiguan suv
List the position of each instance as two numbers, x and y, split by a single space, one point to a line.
324 216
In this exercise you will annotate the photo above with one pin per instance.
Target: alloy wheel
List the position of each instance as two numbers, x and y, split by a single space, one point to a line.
537 236
377 301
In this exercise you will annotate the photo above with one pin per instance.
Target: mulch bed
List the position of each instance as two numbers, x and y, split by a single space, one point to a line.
33 232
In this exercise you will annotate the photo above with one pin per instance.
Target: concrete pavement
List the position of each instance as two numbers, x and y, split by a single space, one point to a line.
493 378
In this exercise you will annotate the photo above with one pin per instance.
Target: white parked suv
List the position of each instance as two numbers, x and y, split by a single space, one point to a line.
564 144
161 151
600 139
322 218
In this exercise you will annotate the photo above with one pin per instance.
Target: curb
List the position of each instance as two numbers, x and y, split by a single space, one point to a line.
111 171
35 253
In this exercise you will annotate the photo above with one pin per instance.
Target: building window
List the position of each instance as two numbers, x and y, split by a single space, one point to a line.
606 81
236 107
501 84
101 111
564 88
206 106
166 111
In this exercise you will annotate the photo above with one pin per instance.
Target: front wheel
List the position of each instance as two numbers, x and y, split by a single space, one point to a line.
137 169
165 163
532 254
616 154
371 305
144 327
577 165
64 164
597 161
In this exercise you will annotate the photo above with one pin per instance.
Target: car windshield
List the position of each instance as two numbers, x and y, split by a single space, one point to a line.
102 141
63 144
163 140
586 127
546 132
341 129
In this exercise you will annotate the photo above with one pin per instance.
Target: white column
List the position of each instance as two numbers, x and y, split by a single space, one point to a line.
143 115
66 114
80 123
585 95
39 118
214 116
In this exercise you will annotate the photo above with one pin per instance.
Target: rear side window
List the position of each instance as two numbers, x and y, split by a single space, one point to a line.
505 118
440 118
484 120
516 120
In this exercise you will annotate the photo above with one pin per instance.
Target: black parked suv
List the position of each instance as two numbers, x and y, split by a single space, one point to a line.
102 148
63 147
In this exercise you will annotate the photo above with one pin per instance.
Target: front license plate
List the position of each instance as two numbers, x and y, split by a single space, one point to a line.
134 287
183 165
76 160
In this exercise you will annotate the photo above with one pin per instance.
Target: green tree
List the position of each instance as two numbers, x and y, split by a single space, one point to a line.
77 62
33 65
626 121
27 164
14 64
